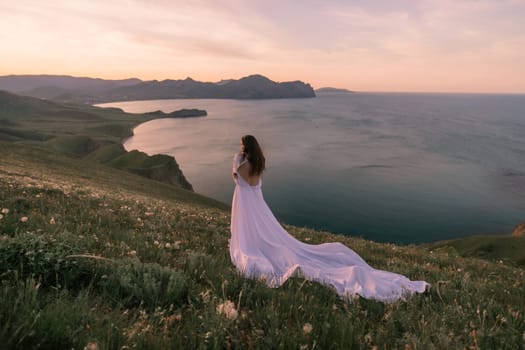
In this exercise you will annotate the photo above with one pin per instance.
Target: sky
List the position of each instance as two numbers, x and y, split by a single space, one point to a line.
361 45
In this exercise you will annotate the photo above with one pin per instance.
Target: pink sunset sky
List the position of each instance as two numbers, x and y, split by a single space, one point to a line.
362 45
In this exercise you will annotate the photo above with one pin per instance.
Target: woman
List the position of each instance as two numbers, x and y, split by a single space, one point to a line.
261 248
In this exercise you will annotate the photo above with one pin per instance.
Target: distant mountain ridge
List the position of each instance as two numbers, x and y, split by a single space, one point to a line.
91 90
333 90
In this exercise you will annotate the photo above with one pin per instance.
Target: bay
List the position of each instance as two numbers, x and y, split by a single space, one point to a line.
403 168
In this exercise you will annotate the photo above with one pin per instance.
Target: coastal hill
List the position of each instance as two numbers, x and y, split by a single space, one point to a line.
87 132
92 91
95 257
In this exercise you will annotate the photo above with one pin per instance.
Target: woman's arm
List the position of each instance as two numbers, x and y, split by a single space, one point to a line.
236 162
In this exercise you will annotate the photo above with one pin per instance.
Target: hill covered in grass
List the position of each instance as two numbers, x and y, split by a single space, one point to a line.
94 256
83 131
504 249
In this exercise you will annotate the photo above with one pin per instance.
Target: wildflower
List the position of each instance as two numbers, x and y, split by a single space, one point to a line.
307 328
1 216
132 253
148 213
368 338
206 296
23 219
5 211
91 346
228 309
156 242
52 221
167 245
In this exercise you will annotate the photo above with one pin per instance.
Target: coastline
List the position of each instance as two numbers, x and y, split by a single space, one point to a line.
216 186
103 138
480 245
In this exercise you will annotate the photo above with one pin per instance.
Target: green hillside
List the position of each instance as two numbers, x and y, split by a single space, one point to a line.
95 257
84 131
504 249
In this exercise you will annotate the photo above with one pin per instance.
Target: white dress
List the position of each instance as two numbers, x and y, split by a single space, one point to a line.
261 248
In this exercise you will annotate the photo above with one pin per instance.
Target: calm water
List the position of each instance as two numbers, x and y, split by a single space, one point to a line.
389 167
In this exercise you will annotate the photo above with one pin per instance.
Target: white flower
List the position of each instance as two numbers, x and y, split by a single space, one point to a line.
52 221
156 242
5 211
132 253
206 296
91 346
228 309
307 328
23 219
1 216
167 245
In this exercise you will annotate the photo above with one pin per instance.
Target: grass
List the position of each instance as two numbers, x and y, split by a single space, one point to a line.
83 131
507 249
93 255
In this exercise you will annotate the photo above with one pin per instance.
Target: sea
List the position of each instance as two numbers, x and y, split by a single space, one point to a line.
390 167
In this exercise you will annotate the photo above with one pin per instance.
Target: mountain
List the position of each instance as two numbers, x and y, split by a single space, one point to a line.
333 90
91 91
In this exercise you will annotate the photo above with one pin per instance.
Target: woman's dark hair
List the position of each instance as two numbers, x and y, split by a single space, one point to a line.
254 153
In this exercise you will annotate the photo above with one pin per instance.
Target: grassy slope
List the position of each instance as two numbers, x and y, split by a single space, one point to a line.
507 249
166 270
82 131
